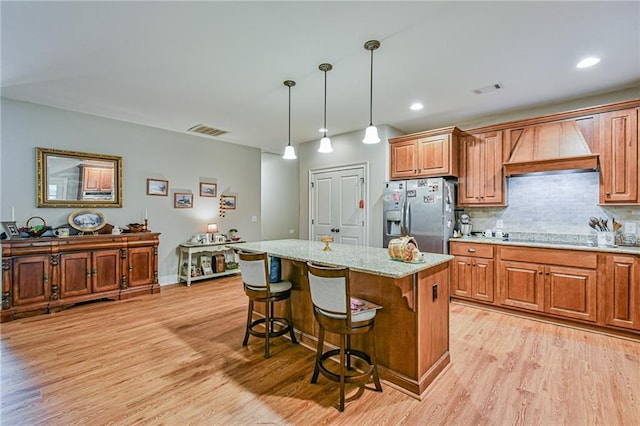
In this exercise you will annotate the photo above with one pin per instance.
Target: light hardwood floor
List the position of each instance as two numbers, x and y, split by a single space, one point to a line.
176 358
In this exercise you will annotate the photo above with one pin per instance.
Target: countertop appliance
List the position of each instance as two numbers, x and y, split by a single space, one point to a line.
421 208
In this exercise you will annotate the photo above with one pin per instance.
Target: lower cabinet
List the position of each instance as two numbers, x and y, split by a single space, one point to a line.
473 271
546 280
597 289
45 274
621 292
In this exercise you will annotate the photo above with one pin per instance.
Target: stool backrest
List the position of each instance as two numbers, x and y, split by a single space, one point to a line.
255 271
330 290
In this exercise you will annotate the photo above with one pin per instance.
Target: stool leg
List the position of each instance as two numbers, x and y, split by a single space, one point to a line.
316 369
343 371
249 318
290 318
348 352
374 361
267 327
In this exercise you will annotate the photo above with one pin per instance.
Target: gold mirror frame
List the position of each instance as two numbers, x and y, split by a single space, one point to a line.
80 196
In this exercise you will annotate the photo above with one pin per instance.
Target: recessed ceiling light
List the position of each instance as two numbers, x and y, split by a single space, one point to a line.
416 106
588 62
322 130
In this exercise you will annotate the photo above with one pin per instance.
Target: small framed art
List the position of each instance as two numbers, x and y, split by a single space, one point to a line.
228 202
11 229
157 187
208 189
182 200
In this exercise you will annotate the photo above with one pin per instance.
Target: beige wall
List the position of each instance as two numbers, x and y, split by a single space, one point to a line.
182 159
280 207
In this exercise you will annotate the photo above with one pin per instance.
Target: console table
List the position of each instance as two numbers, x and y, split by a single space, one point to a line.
187 252
41 275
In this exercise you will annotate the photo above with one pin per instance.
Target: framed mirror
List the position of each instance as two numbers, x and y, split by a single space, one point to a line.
78 179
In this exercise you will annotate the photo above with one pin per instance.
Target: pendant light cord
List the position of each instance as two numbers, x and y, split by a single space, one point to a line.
371 93
324 124
289 144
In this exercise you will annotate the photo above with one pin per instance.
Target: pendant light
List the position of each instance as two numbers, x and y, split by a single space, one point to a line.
325 142
289 152
371 134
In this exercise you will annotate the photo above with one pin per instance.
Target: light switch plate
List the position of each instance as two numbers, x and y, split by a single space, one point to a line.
499 224
254 218
630 228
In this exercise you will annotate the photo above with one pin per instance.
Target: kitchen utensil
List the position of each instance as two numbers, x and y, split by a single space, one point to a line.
594 223
616 225
603 222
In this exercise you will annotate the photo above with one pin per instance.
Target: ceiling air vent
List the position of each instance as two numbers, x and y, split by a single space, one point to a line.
205 130
487 89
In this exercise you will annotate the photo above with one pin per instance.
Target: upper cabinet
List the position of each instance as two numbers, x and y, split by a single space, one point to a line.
619 157
426 154
481 180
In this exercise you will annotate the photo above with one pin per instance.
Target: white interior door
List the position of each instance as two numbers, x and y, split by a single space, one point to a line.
336 199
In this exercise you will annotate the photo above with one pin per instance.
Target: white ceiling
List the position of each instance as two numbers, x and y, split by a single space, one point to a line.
173 65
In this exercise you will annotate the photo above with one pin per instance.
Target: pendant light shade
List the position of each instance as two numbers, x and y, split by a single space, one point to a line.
289 152
371 134
325 142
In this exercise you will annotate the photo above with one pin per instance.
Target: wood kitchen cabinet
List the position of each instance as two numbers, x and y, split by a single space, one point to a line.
549 281
481 180
47 274
426 154
619 157
96 183
621 292
472 273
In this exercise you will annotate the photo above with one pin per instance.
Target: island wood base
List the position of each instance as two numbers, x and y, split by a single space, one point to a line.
411 330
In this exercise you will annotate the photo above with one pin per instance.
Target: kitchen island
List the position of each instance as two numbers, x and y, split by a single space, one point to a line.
412 328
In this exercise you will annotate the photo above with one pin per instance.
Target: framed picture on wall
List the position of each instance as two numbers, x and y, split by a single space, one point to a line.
228 202
182 200
208 189
157 187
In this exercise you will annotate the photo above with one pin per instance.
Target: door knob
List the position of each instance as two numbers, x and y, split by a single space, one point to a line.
333 229
337 229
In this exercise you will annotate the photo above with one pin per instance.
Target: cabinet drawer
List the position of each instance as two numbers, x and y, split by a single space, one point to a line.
580 259
471 249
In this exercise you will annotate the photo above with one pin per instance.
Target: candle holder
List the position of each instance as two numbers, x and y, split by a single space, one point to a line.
146 228
326 241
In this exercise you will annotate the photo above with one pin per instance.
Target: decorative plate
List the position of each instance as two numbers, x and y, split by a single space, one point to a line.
87 220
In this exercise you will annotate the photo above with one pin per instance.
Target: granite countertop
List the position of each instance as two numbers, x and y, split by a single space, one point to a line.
370 260
554 244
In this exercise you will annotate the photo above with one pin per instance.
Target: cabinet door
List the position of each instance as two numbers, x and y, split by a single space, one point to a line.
434 154
492 175
470 171
141 269
619 152
404 157
522 285
461 276
570 292
31 280
106 270
622 292
482 279
75 274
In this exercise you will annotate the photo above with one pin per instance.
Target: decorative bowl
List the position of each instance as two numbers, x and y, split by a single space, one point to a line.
38 229
135 227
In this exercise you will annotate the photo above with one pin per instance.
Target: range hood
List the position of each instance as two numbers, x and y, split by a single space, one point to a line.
549 147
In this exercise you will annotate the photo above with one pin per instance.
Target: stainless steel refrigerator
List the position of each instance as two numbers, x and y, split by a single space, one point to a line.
421 208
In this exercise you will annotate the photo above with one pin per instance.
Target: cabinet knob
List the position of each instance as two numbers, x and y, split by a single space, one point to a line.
88 273
608 194
540 272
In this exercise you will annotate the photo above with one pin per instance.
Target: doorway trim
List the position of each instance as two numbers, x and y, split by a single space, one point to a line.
365 194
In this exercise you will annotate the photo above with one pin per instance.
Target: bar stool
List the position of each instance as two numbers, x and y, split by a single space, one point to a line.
255 278
336 312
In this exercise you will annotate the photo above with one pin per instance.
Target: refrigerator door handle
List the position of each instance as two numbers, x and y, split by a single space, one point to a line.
403 218
408 219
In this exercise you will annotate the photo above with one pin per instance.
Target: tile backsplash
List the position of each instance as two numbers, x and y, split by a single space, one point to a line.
551 203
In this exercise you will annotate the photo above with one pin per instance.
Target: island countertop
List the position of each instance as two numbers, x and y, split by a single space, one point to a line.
371 260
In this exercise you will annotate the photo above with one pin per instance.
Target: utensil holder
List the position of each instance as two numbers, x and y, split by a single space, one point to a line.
606 238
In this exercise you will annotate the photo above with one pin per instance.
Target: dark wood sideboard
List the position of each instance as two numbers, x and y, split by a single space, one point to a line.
43 275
